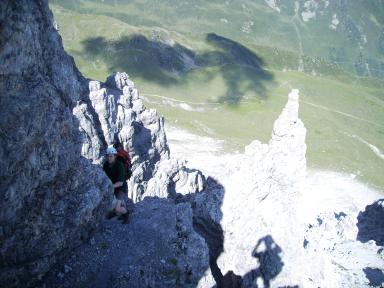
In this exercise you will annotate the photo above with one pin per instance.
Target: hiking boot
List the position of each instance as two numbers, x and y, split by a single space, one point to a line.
111 214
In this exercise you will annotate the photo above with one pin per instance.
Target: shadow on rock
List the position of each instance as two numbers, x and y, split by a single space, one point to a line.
268 254
270 265
371 223
142 144
207 214
168 64
158 248
206 206
214 237
375 276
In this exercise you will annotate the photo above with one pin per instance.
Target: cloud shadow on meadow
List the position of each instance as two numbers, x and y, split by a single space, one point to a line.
168 64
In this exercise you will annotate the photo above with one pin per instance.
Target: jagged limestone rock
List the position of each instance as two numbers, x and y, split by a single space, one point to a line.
119 80
124 118
172 178
271 176
349 241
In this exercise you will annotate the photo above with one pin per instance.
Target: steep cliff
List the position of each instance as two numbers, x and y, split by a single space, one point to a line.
54 128
48 203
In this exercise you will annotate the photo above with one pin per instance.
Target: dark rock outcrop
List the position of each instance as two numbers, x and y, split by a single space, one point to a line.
48 203
371 223
145 253
54 128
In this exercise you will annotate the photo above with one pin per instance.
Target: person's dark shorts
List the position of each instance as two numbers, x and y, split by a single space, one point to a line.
121 193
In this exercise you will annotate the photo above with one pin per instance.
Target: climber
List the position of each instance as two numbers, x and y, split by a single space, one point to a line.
123 157
115 171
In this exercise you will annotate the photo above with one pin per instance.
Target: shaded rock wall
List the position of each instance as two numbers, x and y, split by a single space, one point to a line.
54 125
145 253
48 203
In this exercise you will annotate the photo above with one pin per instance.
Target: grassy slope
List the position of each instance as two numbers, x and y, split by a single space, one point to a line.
254 23
333 109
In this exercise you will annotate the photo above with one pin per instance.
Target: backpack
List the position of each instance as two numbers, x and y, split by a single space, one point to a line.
124 158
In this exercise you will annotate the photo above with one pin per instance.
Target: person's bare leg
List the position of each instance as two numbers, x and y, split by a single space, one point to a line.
119 208
112 213
123 212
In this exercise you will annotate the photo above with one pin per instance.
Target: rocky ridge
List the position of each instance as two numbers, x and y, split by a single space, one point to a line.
271 175
120 115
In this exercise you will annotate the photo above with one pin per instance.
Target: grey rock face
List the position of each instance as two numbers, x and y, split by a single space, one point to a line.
54 125
146 252
115 107
121 115
43 176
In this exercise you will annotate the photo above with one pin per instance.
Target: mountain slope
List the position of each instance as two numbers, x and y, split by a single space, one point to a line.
199 65
347 33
